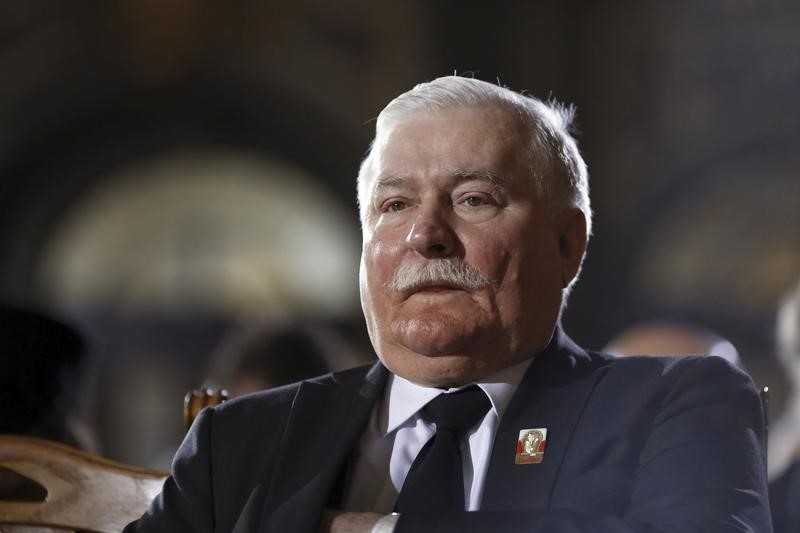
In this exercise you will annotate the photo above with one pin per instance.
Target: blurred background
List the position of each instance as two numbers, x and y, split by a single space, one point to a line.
170 169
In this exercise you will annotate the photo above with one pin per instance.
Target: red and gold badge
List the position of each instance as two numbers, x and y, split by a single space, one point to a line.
530 446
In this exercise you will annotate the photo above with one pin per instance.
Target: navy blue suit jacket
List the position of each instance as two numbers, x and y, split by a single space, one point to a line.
633 444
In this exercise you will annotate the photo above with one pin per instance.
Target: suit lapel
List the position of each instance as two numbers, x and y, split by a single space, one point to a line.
552 395
325 422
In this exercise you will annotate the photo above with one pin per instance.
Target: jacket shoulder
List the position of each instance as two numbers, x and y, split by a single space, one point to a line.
673 380
666 366
268 404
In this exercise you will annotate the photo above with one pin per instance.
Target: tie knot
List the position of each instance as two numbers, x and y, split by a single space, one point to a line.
458 411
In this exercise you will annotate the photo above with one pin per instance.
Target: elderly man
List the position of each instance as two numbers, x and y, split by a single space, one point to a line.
475 214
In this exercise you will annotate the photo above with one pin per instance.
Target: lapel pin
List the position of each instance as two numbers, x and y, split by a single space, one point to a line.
530 446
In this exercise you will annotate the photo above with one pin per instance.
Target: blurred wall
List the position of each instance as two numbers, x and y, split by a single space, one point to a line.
167 166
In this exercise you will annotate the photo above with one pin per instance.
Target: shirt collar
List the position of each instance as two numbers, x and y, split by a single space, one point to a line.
404 398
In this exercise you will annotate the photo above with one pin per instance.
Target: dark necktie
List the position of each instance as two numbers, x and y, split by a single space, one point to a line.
435 481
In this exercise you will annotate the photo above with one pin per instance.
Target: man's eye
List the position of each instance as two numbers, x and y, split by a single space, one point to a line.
474 201
396 206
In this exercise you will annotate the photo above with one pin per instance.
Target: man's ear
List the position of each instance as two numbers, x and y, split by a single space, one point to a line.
572 240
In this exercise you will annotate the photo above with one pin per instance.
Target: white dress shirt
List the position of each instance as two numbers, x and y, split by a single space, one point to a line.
396 433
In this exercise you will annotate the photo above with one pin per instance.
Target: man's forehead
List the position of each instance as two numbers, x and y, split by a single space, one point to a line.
454 175
494 162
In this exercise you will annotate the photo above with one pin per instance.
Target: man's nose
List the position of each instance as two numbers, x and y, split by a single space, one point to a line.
431 235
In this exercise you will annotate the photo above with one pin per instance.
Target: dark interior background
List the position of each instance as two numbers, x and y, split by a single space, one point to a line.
688 117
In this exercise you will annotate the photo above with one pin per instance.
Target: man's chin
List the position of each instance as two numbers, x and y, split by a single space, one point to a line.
436 370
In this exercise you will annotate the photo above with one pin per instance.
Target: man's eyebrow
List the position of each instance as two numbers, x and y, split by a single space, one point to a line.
484 175
382 182
460 174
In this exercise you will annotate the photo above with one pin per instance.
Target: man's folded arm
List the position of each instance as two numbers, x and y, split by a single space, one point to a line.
185 502
701 469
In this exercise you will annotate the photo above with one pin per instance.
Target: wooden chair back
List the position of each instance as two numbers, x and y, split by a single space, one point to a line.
197 399
79 491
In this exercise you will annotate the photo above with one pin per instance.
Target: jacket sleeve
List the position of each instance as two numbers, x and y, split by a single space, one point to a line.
185 503
701 468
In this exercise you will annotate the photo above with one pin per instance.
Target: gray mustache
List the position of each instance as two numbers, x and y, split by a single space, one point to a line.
447 271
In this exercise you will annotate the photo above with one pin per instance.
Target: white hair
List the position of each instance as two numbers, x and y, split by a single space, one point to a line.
556 162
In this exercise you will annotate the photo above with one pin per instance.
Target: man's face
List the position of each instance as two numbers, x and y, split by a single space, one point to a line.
531 442
456 185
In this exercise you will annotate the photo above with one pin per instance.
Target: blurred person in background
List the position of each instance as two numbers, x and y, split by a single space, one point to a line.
41 363
267 353
41 366
784 438
671 337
